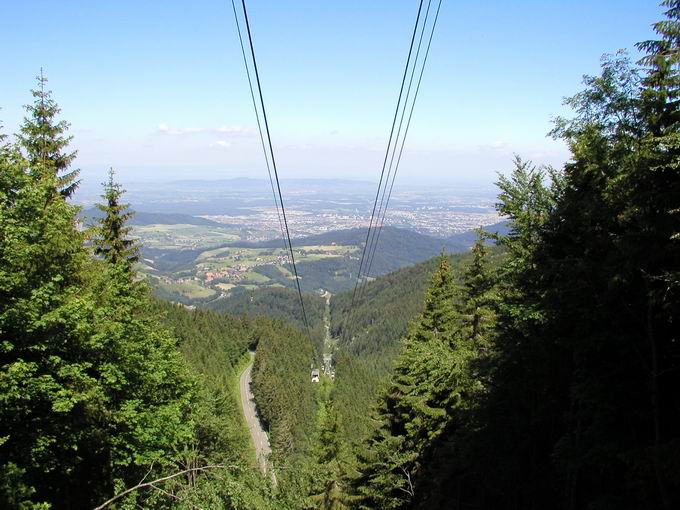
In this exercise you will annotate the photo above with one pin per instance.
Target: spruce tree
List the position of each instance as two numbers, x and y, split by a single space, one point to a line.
112 240
44 369
497 457
45 142
429 378
661 82
439 316
478 284
581 406
146 390
610 265
329 472
653 221
588 305
611 257
92 390
439 485
45 378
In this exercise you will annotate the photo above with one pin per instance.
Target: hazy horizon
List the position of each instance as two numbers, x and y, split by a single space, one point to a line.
161 94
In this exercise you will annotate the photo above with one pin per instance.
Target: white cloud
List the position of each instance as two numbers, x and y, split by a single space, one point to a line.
235 131
229 131
167 130
498 144
221 143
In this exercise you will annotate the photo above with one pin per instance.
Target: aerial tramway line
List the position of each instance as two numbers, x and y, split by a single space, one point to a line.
395 146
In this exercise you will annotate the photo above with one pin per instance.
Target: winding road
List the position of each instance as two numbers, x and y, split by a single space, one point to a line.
260 438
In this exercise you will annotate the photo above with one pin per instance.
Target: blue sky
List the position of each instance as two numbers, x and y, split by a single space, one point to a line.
157 89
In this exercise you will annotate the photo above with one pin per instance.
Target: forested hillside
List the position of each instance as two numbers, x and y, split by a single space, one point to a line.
277 303
369 339
282 387
213 346
538 370
90 216
101 385
550 381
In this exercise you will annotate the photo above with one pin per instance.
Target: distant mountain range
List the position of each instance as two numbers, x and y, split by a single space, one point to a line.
146 218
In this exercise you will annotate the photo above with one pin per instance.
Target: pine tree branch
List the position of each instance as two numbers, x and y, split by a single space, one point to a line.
151 484
410 490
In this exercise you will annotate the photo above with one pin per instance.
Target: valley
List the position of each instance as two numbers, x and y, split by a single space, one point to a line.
325 262
206 241
493 328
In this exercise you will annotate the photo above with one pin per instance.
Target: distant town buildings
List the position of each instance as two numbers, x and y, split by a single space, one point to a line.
439 220
222 268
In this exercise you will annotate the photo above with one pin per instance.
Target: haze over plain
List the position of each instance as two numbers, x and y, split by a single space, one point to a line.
157 89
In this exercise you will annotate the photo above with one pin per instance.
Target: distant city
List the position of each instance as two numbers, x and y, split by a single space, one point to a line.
440 221
314 206
203 241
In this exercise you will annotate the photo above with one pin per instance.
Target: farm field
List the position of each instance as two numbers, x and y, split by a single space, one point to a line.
207 270
182 236
188 290
198 264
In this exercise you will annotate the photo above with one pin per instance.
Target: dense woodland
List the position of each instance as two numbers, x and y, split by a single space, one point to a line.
277 303
550 382
539 370
370 339
281 384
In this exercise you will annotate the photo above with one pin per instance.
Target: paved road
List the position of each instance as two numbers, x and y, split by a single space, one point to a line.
260 438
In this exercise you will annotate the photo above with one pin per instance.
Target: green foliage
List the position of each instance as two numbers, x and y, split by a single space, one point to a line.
44 142
579 407
44 379
279 304
622 191
146 392
282 386
89 383
428 388
95 394
370 341
213 345
570 398
515 370
479 286
330 469
661 83
111 237
543 374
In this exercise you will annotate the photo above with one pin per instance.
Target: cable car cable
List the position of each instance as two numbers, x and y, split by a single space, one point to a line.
381 211
408 124
276 174
259 128
382 173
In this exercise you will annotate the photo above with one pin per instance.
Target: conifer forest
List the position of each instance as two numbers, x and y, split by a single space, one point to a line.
538 368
